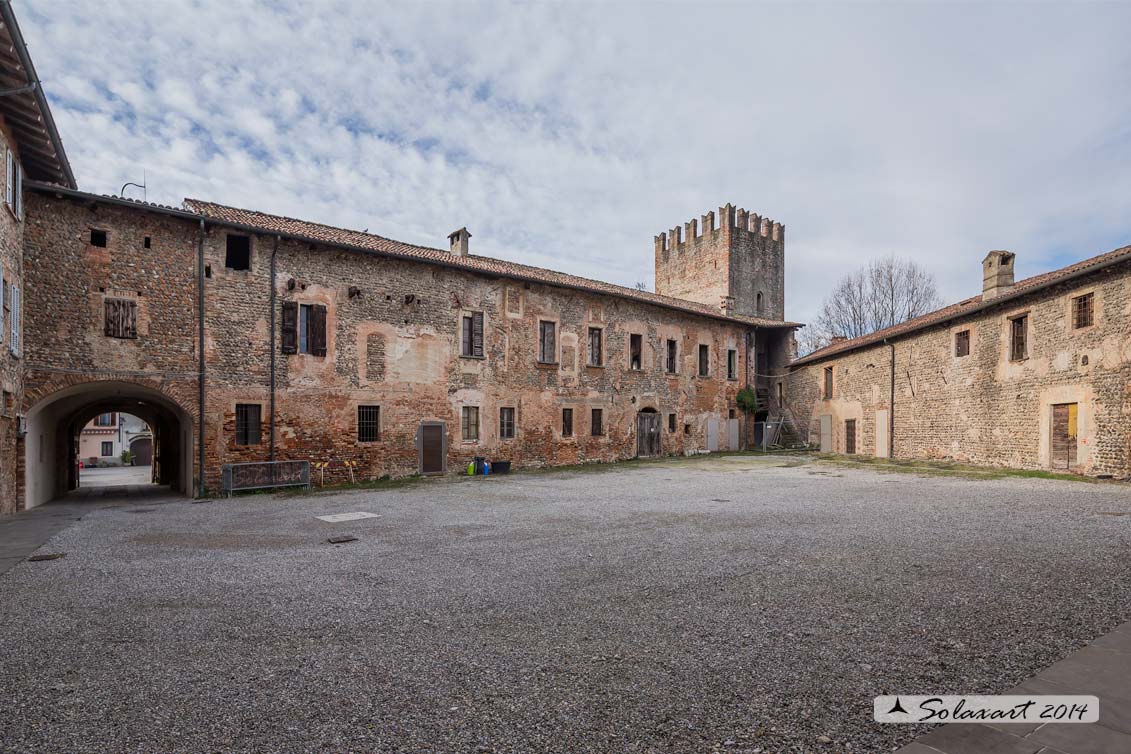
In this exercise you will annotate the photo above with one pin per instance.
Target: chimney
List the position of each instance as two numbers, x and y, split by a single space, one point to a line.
458 240
997 274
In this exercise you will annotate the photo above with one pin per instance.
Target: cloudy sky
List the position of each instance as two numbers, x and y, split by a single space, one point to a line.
567 136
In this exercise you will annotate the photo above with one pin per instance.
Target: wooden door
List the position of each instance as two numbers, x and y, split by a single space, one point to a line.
850 436
647 434
827 445
142 451
1063 445
712 435
432 448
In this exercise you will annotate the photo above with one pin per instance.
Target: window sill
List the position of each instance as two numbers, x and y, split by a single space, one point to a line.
546 364
594 366
732 379
473 358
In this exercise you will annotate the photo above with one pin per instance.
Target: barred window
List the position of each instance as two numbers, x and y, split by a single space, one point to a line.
1083 311
470 423
962 343
506 423
368 423
247 424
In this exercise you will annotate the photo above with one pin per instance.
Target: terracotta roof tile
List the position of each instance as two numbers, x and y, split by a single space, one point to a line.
968 306
329 234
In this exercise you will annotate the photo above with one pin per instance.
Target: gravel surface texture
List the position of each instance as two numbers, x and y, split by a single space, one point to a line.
739 605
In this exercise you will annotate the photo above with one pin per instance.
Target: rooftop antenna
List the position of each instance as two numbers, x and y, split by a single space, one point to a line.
144 193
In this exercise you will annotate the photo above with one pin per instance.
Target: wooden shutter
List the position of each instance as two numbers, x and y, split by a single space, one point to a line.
14 345
289 324
477 334
316 334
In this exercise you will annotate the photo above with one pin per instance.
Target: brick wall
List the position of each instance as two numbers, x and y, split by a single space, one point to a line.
984 408
11 367
742 256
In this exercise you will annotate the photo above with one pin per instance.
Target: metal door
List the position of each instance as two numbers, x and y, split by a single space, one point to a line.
647 434
430 441
712 434
827 434
1063 445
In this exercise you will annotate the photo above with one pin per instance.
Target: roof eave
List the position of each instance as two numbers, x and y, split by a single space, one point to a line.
9 19
995 301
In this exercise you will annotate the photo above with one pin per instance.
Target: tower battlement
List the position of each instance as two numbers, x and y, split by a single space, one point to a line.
737 263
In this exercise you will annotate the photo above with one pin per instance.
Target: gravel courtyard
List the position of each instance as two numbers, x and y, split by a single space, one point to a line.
742 605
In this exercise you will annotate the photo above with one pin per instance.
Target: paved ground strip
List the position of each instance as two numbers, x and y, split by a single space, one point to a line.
717 604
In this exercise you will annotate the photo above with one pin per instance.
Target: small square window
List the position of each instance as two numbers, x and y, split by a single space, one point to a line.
506 423
238 252
107 449
368 423
148 243
98 238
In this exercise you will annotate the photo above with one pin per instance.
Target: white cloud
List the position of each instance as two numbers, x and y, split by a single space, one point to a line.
568 135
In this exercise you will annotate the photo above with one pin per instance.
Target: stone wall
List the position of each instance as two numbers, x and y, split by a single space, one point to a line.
984 408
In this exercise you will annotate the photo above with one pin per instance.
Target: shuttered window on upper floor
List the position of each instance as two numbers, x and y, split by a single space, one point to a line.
303 328
471 336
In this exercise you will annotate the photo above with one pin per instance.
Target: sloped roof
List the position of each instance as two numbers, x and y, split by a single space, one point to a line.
971 305
355 239
25 108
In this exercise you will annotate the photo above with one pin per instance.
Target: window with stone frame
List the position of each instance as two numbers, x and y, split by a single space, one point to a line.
368 423
248 421
596 358
962 343
1083 311
471 338
547 342
470 423
1019 338
506 423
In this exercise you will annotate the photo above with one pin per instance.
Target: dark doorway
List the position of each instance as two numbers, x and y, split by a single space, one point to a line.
850 436
647 433
432 448
1063 445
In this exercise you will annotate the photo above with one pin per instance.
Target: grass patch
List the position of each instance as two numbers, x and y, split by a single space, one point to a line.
951 468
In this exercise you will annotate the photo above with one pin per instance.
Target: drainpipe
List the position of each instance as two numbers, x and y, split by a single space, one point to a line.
200 351
271 410
891 402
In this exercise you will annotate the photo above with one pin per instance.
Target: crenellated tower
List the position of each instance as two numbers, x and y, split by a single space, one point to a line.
738 266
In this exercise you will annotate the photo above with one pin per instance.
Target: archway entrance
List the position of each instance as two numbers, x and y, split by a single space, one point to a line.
647 433
54 441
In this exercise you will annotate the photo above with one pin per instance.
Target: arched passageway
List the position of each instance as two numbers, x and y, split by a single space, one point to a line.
54 423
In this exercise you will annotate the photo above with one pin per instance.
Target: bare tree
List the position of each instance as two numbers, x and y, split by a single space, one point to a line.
884 293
